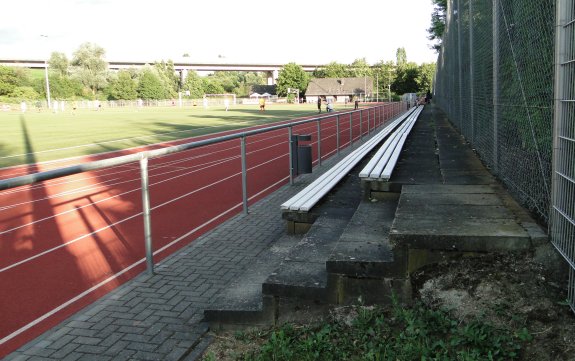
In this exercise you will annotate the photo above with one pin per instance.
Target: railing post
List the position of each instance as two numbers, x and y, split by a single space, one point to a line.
319 142
368 130
244 175
360 125
290 142
350 131
146 213
337 135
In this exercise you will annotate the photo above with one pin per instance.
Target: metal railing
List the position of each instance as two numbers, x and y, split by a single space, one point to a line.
374 117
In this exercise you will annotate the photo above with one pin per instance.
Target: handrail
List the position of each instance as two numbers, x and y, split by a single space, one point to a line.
121 160
144 156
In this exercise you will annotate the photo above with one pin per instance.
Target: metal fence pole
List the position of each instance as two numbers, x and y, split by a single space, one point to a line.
459 68
146 213
368 130
290 142
360 125
471 77
495 35
337 134
350 131
244 175
318 142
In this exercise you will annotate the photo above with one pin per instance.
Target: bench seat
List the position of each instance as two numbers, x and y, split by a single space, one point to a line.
379 169
296 208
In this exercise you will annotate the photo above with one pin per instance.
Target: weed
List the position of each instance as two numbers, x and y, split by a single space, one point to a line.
399 333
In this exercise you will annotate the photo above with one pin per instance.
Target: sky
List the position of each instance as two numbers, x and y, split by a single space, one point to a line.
227 31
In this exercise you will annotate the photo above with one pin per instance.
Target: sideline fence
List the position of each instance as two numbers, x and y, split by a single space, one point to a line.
379 114
76 237
495 80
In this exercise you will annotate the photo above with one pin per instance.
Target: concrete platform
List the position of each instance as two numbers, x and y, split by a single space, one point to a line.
468 218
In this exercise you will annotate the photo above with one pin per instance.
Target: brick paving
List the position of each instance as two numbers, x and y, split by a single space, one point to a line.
159 317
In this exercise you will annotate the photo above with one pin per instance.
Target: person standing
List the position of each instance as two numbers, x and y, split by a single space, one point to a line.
319 104
262 104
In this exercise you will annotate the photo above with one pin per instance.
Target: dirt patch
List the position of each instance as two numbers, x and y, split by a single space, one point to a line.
508 290
512 291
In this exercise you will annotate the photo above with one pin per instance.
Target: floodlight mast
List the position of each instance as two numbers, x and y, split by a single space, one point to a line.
47 81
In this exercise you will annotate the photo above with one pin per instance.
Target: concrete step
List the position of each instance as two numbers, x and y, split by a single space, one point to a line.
365 266
242 303
302 274
463 218
364 250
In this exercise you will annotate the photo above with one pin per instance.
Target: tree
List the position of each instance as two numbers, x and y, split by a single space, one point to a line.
438 21
384 72
405 81
150 86
25 93
401 57
59 63
8 80
332 70
122 87
229 80
90 67
194 84
248 80
292 76
64 87
167 75
359 68
212 86
424 79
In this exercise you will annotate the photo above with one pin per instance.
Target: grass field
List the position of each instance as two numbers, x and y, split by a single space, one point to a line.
41 136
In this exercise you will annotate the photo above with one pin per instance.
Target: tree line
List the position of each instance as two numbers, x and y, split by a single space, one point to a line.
86 76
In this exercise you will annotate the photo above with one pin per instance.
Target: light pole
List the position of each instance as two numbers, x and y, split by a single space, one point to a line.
47 81
389 86
376 88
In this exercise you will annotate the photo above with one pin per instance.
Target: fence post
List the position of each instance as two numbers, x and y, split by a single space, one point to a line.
337 136
319 142
350 131
146 213
244 175
290 142
460 68
471 77
368 130
360 125
495 35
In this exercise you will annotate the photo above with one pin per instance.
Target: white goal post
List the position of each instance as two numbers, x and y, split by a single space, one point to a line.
219 99
294 91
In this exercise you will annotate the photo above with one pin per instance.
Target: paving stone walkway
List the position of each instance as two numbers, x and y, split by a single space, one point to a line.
159 317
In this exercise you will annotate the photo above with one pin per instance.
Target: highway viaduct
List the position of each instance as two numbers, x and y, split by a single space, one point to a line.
271 70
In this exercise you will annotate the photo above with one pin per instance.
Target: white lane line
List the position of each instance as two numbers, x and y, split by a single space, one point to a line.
107 226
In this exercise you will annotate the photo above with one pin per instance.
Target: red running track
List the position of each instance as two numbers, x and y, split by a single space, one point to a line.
68 241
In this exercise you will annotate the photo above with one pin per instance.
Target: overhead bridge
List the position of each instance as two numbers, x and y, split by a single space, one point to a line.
272 70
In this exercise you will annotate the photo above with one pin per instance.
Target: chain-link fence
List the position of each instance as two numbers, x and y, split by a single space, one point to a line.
495 82
496 76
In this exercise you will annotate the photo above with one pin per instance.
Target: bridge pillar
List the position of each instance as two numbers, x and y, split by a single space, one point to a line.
272 76
183 75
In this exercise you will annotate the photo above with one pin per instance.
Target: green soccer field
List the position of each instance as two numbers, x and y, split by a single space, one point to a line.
40 136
